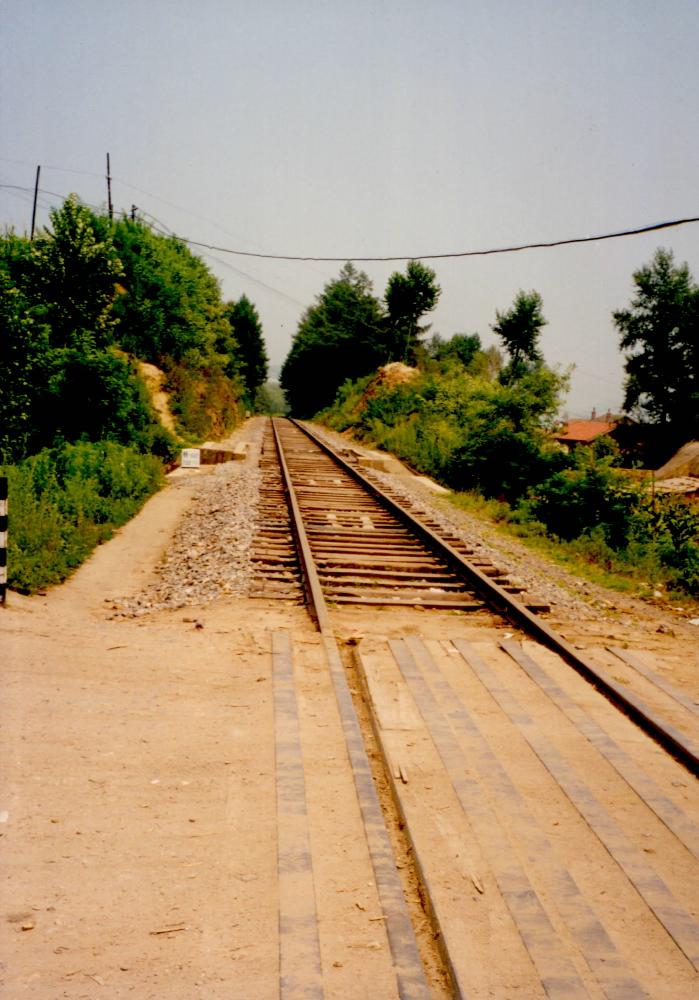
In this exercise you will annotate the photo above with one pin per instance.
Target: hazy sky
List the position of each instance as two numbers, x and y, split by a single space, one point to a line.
371 129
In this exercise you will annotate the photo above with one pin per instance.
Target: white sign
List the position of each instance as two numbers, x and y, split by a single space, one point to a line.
190 458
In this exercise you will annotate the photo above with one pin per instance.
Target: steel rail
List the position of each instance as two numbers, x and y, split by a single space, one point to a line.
311 580
667 736
410 975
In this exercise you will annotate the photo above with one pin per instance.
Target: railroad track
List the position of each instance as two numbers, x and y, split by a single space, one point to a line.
474 736
366 548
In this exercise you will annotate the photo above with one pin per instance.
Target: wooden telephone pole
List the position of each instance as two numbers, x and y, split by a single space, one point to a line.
110 207
36 193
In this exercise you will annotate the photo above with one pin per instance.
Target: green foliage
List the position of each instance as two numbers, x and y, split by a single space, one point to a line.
348 333
340 337
519 329
660 333
477 434
505 445
462 347
469 431
170 303
271 399
170 312
83 293
61 378
586 495
408 297
73 271
75 306
675 531
24 349
251 354
66 500
104 385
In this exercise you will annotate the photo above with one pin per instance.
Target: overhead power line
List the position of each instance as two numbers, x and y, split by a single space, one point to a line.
541 245
53 194
458 253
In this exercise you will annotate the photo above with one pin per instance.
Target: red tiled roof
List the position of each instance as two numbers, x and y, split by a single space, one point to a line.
584 430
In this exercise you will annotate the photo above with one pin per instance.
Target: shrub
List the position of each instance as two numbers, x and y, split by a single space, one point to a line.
65 501
585 496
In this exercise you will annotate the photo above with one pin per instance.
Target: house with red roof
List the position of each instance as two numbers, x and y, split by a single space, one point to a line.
576 432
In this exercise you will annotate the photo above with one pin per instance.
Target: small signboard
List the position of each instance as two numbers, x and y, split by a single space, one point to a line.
190 458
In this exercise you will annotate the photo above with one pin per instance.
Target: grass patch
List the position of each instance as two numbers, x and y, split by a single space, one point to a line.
638 570
64 501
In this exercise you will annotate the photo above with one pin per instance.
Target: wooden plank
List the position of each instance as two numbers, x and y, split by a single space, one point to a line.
300 975
664 808
633 661
674 918
600 953
557 972
387 603
392 574
412 984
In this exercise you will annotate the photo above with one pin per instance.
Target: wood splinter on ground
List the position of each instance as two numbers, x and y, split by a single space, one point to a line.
400 772
169 930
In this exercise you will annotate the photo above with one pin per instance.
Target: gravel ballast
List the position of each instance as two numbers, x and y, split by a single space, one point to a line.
209 554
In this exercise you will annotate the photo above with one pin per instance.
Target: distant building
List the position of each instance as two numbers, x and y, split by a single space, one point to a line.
576 432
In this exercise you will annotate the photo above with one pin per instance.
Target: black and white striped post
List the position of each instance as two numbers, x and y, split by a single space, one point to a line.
3 538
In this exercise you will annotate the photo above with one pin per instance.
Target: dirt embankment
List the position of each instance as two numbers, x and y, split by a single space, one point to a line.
154 379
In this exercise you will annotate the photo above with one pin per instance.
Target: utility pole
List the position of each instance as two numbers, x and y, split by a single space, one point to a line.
36 192
110 208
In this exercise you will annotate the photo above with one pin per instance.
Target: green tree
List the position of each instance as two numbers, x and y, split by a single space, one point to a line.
61 377
408 297
170 302
519 329
340 337
462 347
24 346
74 275
505 445
171 313
251 354
660 335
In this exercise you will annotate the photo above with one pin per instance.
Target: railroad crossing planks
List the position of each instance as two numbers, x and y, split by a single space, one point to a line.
509 807
339 894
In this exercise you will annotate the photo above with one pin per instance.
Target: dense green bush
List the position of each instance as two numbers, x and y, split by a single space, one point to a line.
65 500
79 303
468 430
586 494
